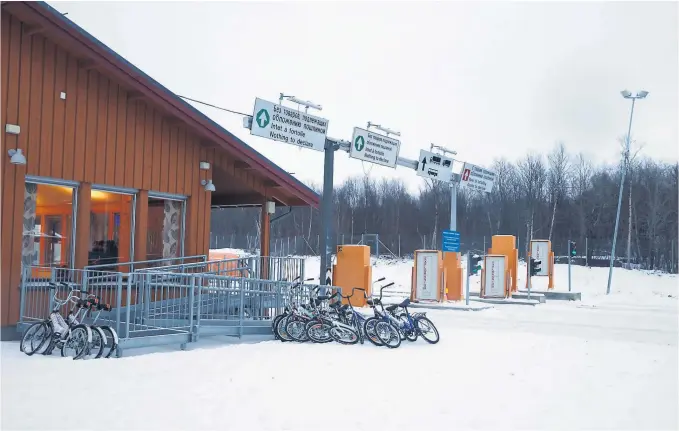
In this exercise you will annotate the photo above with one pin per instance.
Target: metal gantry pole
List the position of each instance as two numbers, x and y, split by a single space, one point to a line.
326 210
569 265
453 205
469 266
617 215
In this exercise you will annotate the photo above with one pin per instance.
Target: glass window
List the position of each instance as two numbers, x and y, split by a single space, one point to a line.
110 227
165 232
47 225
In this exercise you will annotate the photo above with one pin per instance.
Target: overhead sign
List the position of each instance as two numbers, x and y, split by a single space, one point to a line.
435 166
539 250
477 178
280 123
494 283
427 275
374 147
451 241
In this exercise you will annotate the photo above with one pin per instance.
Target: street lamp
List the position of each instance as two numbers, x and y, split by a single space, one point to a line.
627 95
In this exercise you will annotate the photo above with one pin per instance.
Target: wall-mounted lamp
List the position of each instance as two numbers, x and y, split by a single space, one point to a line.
12 129
204 166
16 157
209 187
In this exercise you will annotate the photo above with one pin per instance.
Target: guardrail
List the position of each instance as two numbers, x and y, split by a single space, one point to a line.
170 305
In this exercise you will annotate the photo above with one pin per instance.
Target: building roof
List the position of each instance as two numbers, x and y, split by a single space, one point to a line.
72 35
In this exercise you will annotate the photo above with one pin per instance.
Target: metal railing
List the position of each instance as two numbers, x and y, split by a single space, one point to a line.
133 265
174 304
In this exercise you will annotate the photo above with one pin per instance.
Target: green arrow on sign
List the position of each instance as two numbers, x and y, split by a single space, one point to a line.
263 118
359 143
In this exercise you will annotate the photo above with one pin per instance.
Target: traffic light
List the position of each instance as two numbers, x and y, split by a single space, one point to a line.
574 251
475 264
535 266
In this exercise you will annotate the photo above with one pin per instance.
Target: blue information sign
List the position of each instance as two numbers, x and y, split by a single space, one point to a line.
451 241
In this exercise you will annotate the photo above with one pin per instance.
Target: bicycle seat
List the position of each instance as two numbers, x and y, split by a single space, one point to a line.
323 298
335 304
405 303
392 307
345 307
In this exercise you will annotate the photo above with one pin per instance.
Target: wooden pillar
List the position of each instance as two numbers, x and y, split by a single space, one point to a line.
265 241
82 226
265 232
141 218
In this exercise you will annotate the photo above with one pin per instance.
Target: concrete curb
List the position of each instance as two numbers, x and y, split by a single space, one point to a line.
455 307
508 301
556 295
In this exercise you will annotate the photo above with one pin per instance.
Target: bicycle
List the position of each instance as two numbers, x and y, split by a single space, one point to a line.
381 323
412 324
59 332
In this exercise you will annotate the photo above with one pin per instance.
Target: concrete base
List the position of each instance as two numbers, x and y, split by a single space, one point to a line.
10 333
533 295
556 294
451 306
532 302
517 295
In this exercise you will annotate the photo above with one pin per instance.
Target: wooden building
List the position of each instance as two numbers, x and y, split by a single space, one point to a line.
117 167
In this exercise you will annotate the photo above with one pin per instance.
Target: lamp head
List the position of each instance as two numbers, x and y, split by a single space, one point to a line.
642 94
209 187
16 157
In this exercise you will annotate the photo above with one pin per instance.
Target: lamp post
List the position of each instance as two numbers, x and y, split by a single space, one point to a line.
627 95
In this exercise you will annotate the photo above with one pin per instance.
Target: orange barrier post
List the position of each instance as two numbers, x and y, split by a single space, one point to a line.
506 245
353 269
541 249
452 266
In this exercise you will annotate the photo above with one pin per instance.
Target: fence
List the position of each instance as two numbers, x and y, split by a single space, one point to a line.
173 304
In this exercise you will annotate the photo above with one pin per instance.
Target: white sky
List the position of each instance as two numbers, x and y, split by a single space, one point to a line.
489 79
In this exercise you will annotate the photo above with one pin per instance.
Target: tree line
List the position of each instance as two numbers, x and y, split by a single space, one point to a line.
557 196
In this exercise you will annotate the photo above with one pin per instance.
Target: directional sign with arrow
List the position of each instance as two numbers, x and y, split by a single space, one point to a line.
280 123
374 147
435 166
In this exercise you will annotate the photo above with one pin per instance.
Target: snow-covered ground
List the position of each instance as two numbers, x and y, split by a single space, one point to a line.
608 362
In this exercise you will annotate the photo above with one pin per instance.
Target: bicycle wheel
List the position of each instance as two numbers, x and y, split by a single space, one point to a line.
425 326
343 335
111 341
274 324
388 334
34 338
409 331
318 332
77 342
296 329
369 330
96 347
280 329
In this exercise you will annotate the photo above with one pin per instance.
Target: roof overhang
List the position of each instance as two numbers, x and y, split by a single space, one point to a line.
43 18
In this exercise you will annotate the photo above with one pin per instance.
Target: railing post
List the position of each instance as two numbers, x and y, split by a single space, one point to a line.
85 280
192 286
146 306
22 293
240 308
119 299
128 306
53 278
